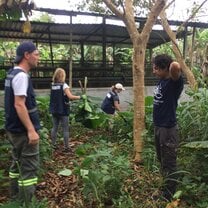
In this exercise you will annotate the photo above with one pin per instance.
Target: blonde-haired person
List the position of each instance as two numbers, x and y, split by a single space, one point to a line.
111 103
59 106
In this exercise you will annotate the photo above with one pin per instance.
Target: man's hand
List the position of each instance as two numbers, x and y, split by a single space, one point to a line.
33 137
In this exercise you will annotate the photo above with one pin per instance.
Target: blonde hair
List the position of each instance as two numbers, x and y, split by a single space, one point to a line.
113 88
59 76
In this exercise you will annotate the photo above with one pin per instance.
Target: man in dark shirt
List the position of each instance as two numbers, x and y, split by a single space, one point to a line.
166 95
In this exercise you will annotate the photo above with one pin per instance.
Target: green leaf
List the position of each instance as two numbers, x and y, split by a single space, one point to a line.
87 107
84 173
65 172
197 145
177 195
84 97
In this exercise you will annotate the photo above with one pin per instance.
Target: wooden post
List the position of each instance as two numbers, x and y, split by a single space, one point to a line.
70 56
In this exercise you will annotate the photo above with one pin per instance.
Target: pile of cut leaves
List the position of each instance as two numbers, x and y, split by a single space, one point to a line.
89 113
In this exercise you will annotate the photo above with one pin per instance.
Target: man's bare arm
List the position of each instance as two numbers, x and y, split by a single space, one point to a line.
175 70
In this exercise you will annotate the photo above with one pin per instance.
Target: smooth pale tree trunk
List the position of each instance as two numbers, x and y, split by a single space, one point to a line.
139 41
139 98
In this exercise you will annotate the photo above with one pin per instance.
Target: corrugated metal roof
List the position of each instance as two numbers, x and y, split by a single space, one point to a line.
81 33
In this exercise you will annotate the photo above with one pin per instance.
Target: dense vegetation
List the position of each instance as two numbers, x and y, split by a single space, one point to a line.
101 173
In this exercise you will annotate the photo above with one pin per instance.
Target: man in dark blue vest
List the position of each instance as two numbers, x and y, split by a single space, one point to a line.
22 123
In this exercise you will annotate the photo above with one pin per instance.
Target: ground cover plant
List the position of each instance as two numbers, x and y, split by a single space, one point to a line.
100 171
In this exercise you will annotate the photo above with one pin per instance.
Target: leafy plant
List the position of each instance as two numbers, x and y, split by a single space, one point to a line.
121 126
45 146
43 106
89 114
193 150
103 173
2 118
33 204
193 116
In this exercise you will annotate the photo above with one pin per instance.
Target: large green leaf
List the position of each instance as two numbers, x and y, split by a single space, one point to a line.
87 107
65 172
197 145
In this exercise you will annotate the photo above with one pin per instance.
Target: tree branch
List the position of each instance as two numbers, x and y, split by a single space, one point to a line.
128 18
168 30
192 16
152 17
114 9
177 52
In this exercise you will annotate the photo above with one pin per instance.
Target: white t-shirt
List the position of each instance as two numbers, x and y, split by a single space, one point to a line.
65 86
20 84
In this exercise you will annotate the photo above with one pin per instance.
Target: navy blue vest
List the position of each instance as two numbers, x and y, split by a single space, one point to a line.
59 102
108 103
13 123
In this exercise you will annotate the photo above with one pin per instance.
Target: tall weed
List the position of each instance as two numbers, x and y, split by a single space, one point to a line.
193 151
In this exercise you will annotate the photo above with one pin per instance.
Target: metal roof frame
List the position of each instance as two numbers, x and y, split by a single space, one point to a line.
102 33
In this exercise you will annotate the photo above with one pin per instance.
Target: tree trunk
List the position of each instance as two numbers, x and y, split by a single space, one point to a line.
139 41
139 98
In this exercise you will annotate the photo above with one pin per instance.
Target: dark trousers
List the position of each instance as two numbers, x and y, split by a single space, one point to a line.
166 143
23 170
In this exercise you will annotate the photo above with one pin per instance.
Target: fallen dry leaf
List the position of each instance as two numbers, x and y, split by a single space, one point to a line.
173 204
